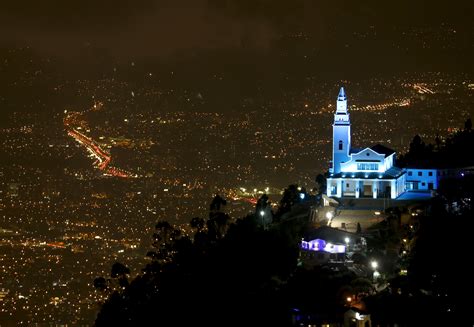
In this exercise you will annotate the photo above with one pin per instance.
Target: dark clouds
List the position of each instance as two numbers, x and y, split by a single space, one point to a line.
163 28
131 28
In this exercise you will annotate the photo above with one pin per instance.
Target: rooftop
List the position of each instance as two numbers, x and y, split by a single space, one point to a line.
382 149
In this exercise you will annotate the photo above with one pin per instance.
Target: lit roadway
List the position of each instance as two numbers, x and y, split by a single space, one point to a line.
102 156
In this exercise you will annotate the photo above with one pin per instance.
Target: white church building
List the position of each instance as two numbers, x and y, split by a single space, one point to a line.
366 172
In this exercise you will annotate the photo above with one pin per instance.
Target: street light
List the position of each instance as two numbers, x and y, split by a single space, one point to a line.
376 274
347 240
374 264
329 216
262 213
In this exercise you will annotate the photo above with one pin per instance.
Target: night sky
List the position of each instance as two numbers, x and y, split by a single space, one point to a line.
82 34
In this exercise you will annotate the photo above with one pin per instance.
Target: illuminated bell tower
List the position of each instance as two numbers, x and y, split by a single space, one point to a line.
341 134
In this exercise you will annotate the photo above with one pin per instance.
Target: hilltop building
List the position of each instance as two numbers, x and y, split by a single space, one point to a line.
370 171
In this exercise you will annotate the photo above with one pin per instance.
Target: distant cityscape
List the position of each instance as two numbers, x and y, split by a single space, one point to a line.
65 220
91 159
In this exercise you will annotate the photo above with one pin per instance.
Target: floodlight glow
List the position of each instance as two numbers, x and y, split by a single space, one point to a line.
347 240
329 215
262 213
358 316
374 264
302 196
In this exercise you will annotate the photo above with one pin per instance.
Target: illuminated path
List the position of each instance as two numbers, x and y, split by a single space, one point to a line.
102 156
421 88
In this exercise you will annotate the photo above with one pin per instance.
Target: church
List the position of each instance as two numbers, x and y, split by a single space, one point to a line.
365 172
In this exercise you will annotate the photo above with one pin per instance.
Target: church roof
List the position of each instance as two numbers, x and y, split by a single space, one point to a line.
394 171
356 150
382 149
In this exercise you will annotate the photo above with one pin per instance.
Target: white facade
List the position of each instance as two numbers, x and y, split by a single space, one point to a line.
341 133
368 172
421 179
370 186
368 160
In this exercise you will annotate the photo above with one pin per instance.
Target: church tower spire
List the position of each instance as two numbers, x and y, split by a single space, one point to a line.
341 101
342 94
341 133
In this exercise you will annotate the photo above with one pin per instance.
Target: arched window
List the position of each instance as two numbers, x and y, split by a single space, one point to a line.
340 145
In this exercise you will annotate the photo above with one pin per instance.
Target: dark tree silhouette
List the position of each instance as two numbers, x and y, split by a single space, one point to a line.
263 211
239 270
217 202
120 273
450 154
119 270
219 221
468 125
262 203
164 238
290 198
197 223
100 283
321 184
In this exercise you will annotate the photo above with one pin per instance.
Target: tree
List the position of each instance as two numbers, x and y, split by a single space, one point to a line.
263 211
217 225
321 184
197 223
216 203
219 221
362 285
164 238
290 197
246 263
100 283
119 270
262 203
417 150
468 125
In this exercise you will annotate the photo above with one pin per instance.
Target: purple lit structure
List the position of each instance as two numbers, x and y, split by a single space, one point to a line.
322 245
